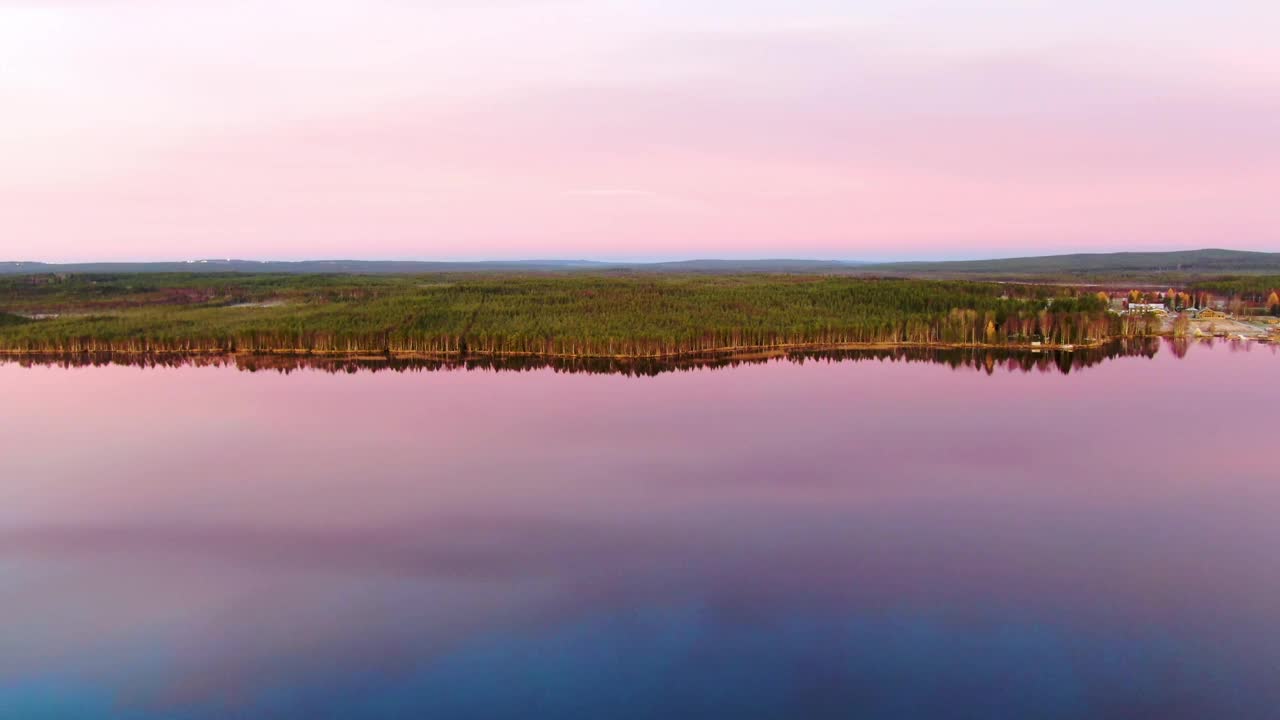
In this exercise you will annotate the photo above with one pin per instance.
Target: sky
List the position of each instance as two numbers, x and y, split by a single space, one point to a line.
634 129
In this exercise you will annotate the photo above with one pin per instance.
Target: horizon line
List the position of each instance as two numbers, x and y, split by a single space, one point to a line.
624 261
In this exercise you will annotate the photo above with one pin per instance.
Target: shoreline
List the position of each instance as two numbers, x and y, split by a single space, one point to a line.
719 352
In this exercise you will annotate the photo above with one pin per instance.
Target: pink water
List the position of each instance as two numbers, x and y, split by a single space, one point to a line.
845 539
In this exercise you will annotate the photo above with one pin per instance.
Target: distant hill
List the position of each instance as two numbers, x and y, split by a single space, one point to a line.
1191 262
1120 264
405 267
765 265
371 267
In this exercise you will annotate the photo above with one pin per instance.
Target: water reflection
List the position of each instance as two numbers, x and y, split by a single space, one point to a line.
825 540
983 359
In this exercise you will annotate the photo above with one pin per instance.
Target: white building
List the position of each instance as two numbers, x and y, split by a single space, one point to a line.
1146 307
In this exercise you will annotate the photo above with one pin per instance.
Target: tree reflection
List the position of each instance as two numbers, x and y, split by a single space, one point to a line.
985 360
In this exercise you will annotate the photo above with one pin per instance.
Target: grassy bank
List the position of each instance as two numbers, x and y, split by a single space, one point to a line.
577 315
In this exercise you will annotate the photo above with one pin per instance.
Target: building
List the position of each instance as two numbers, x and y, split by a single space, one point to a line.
1134 308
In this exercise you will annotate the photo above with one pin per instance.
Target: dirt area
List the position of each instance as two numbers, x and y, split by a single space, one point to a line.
1231 327
53 315
1247 328
266 304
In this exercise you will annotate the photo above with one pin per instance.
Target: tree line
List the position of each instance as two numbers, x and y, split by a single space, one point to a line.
569 315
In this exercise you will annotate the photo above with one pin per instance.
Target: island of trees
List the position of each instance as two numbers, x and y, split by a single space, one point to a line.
547 315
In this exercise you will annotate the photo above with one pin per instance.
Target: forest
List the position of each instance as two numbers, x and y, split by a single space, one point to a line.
547 314
1251 288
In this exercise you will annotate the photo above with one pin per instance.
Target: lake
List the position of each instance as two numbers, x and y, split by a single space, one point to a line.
834 538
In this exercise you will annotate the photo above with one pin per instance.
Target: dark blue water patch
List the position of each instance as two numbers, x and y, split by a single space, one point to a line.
694 662
690 663
55 699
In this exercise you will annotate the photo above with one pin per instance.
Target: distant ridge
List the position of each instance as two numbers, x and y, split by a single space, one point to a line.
1178 261
382 267
372 267
1078 264
763 265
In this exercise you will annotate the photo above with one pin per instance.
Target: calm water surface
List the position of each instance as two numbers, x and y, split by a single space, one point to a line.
834 539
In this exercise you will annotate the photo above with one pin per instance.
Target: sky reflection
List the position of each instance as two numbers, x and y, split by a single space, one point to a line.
879 539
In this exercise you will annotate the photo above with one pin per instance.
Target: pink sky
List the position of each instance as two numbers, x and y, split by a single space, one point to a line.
176 129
